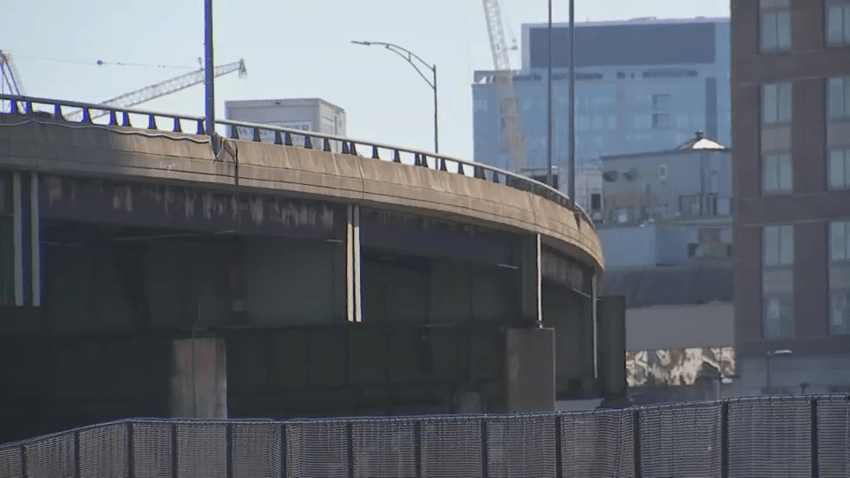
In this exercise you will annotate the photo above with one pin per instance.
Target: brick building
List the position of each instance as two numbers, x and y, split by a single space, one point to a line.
791 183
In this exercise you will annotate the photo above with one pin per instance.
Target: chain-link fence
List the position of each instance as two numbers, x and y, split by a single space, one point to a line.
751 437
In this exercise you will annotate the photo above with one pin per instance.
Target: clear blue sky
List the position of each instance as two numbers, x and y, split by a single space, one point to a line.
292 48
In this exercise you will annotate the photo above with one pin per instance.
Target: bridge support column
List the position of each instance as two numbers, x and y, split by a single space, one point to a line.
611 348
348 266
530 370
530 280
20 284
198 378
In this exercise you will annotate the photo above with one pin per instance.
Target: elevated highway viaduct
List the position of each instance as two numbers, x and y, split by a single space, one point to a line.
142 274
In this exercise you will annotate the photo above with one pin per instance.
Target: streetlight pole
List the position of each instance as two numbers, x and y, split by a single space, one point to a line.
409 56
572 118
209 74
549 106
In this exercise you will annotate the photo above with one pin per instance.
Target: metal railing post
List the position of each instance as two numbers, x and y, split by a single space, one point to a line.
78 469
175 457
24 472
349 439
485 454
724 439
131 460
559 455
283 450
814 431
417 447
228 450
636 443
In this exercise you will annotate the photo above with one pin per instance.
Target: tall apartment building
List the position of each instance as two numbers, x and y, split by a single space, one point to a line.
641 85
791 170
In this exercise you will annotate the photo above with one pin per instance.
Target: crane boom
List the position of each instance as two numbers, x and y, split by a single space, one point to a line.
508 106
164 88
10 76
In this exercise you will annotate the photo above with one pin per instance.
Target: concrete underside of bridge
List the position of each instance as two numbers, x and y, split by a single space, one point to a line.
128 297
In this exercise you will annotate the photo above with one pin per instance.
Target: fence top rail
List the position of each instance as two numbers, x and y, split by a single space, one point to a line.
535 187
95 106
480 417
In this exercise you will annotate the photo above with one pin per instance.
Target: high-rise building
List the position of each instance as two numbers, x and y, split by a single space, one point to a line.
641 85
791 170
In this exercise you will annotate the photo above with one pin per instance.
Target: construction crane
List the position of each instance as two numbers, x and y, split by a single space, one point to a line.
163 88
10 79
508 104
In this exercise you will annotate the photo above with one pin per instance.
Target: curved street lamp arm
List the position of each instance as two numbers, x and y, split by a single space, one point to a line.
408 56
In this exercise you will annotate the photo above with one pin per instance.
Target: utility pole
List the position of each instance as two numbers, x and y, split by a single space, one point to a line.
209 81
549 106
572 119
436 122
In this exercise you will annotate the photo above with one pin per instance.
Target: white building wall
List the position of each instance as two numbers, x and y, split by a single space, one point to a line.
685 326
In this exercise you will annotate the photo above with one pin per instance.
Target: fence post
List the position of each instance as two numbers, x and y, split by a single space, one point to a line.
228 450
559 458
814 429
283 451
485 458
24 473
636 440
349 438
724 439
417 447
78 472
131 460
175 469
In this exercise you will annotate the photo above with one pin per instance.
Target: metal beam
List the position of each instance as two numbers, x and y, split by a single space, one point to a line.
17 238
35 241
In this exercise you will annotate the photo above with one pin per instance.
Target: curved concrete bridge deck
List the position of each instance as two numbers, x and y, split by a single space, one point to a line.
40 142
345 276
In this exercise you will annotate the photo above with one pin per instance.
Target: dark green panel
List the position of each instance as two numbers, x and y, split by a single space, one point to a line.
373 284
563 311
7 261
408 294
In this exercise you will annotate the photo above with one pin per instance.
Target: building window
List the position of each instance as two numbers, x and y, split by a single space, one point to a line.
689 205
839 320
838 23
622 215
778 282
838 98
839 169
662 172
775 25
661 121
778 246
595 201
839 241
778 173
776 103
662 102
480 105
839 284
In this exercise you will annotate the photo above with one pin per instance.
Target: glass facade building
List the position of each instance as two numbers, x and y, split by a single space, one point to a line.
641 85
